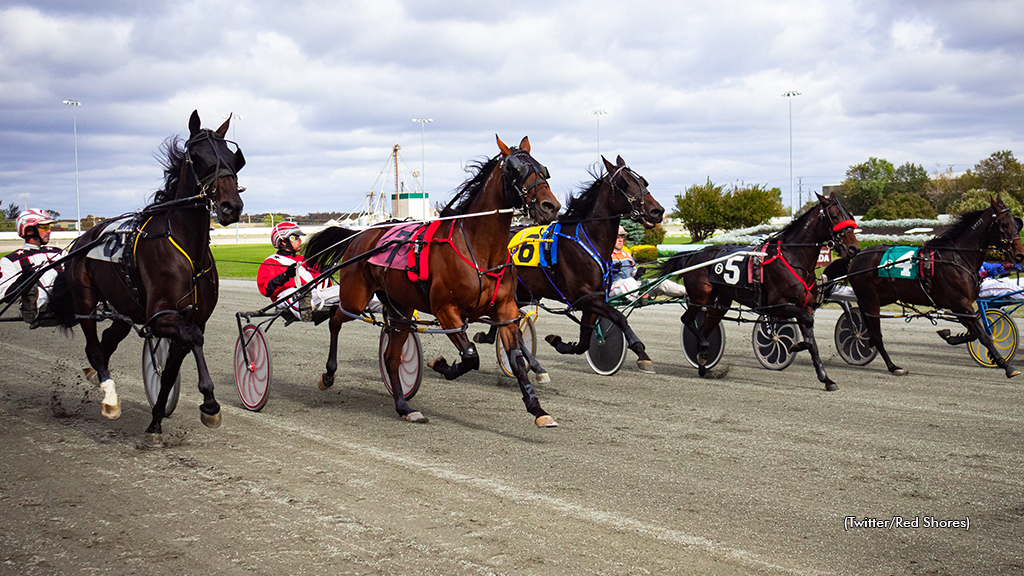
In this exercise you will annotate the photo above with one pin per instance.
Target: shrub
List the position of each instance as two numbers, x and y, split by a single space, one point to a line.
644 253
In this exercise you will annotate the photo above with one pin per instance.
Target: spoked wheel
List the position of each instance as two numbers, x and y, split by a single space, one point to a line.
410 368
690 343
1004 337
154 358
252 378
852 340
607 350
772 339
529 338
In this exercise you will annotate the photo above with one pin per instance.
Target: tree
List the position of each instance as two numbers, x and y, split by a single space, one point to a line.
866 184
700 208
980 199
944 190
1000 172
637 235
12 210
910 179
896 206
746 206
273 219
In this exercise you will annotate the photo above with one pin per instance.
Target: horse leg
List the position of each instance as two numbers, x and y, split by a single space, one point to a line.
191 337
99 374
175 356
588 322
805 319
510 334
488 337
542 375
976 330
712 319
469 359
689 319
874 326
392 363
327 378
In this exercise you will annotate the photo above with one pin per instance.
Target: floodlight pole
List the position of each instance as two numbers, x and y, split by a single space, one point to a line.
78 199
792 201
423 123
599 113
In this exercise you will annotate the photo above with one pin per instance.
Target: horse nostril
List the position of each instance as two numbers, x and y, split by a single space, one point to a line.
549 207
1020 258
658 214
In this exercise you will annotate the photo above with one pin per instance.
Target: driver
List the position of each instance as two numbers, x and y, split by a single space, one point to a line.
34 227
625 275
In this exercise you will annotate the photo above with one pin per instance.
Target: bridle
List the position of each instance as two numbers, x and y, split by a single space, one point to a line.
516 168
636 203
222 169
1006 244
844 223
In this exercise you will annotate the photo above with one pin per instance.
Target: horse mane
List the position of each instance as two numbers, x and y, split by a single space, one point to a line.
582 204
797 224
468 190
958 227
171 157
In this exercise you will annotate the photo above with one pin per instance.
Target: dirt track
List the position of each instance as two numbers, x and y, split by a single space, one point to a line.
648 474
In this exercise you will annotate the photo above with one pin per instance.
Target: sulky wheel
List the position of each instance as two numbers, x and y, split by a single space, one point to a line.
716 343
607 350
852 340
154 358
410 368
252 377
772 339
1004 337
529 338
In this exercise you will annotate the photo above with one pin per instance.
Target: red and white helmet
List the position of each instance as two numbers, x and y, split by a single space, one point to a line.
31 217
280 234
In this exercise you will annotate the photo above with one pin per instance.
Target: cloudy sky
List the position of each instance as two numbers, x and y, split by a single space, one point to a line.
692 90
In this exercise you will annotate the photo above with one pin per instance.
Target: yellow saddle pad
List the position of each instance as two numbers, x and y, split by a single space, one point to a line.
525 246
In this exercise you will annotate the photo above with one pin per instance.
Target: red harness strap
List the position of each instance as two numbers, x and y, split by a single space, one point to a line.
428 239
778 254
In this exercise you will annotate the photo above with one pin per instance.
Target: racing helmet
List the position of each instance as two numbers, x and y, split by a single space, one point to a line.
31 218
280 234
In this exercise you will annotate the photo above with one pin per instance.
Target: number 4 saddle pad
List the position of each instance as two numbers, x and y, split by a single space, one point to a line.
906 262
397 249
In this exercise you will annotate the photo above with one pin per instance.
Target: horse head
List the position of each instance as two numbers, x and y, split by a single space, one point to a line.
1004 231
215 163
641 206
841 225
529 179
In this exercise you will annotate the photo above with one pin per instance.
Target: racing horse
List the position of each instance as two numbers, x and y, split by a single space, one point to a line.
581 272
168 281
787 289
947 276
468 273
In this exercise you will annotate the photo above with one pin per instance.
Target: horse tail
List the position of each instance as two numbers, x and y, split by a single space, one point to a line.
62 304
327 247
677 261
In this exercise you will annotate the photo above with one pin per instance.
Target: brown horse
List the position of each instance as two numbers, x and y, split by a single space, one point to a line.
168 280
586 237
788 286
953 258
470 272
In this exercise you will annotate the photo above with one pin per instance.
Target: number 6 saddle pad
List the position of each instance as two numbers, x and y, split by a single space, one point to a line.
535 246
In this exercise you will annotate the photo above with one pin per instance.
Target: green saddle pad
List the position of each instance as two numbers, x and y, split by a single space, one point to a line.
900 262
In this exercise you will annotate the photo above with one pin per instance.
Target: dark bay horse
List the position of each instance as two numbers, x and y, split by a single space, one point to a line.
470 272
168 280
581 274
954 258
788 286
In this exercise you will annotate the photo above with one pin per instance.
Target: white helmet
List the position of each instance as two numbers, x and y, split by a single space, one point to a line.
31 218
280 234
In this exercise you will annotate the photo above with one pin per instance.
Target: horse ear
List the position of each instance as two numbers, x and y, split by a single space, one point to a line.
619 161
524 145
992 200
820 197
224 127
193 123
502 146
608 165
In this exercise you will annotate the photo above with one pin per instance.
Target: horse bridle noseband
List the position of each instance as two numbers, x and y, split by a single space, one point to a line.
1006 244
517 170
223 169
636 203
838 228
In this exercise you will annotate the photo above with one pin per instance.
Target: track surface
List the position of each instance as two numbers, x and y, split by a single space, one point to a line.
753 473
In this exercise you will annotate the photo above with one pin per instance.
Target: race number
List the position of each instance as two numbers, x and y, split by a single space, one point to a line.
730 269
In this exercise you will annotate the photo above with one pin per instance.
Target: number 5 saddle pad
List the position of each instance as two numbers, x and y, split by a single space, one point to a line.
903 262
738 271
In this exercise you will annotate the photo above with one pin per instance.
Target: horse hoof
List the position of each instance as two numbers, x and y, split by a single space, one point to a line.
154 440
645 366
91 376
416 418
112 411
1012 373
321 384
435 361
900 372
553 339
211 421
831 387
543 378
545 421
